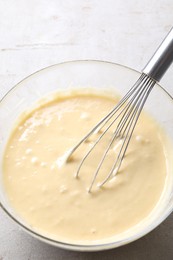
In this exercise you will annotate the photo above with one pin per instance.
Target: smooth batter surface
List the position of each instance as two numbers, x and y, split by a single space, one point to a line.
48 197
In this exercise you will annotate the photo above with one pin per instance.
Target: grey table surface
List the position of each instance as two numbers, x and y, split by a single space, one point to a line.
36 34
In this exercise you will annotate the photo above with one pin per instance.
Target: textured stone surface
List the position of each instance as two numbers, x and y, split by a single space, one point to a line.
36 34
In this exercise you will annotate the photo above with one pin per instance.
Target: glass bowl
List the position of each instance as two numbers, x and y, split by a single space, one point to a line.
86 74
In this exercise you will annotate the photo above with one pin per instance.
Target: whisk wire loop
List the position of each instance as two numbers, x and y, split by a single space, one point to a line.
128 110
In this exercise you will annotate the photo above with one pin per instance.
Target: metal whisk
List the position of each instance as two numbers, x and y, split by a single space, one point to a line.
128 110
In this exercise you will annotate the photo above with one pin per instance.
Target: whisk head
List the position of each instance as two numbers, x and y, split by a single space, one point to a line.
125 115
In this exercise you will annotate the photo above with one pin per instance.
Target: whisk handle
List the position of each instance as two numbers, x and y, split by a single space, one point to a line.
162 58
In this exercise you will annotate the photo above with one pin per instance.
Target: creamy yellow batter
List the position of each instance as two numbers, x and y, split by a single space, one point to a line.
46 194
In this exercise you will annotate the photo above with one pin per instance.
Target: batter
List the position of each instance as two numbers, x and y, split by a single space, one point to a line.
47 196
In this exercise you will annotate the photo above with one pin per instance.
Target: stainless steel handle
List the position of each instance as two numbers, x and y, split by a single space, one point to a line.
162 58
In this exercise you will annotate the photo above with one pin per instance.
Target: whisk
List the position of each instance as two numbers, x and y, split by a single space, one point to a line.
126 113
